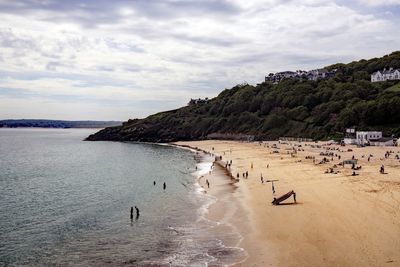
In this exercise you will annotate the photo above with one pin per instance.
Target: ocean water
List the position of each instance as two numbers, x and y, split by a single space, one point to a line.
66 202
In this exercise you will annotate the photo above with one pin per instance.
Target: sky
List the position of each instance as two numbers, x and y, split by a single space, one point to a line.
120 59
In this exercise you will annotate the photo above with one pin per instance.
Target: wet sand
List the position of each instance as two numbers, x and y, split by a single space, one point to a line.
339 220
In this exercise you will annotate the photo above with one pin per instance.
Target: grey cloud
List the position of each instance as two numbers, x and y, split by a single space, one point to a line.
10 40
105 68
53 65
215 41
124 46
93 13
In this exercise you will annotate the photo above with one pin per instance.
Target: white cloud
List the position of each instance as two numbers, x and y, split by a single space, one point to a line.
380 2
165 52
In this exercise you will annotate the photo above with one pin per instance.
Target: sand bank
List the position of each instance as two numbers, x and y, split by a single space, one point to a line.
339 220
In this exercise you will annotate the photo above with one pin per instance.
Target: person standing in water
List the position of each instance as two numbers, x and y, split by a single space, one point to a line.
137 213
131 213
154 183
164 186
208 183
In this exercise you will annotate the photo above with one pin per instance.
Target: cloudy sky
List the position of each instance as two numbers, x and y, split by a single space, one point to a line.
120 59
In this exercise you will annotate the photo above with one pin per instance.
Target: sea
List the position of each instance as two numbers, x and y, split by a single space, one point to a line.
66 202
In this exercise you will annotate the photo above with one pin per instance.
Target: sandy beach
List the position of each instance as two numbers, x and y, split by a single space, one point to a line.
338 220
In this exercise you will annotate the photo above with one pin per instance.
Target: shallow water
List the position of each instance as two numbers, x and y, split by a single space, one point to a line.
66 202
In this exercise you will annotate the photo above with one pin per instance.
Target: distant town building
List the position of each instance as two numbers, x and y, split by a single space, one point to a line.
363 138
371 138
197 101
350 137
320 74
384 141
312 75
385 75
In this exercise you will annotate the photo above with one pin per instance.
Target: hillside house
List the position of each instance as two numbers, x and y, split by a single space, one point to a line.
320 74
312 75
197 101
385 75
279 76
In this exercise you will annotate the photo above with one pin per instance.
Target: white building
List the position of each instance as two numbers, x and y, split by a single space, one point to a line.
385 75
363 138
384 141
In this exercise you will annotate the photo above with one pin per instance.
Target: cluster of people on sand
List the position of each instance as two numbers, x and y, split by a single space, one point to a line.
332 170
387 154
228 164
245 174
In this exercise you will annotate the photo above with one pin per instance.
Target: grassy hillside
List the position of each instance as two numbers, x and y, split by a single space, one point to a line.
313 109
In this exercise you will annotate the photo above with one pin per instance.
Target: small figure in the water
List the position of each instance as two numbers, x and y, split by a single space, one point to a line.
131 213
208 183
154 183
164 186
137 213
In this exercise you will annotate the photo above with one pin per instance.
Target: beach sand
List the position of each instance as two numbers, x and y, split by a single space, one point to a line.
339 219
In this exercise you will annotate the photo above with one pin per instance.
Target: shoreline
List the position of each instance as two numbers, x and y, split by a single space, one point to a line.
223 186
339 220
225 207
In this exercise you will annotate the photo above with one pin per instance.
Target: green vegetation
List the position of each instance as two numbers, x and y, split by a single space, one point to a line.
395 88
312 109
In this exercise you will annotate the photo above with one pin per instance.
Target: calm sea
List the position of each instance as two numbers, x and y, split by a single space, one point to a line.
66 202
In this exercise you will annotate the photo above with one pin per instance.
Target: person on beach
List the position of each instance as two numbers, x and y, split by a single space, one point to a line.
237 175
262 179
208 183
137 213
382 170
164 186
247 174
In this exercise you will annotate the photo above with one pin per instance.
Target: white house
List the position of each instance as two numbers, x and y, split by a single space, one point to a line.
384 141
385 75
363 138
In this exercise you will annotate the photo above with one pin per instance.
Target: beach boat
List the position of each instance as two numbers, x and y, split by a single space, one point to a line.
278 200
